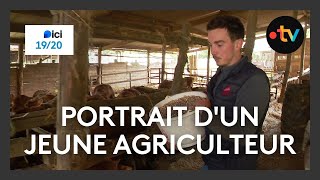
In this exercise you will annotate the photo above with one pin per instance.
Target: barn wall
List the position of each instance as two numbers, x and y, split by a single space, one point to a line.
295 62
13 80
295 66
40 76
46 76
121 67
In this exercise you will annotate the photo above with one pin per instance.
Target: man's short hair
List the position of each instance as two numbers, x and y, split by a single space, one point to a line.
233 25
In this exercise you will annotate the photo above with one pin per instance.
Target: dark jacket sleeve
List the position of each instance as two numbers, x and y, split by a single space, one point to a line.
255 92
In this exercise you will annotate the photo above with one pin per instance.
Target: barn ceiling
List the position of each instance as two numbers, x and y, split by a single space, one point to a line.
109 26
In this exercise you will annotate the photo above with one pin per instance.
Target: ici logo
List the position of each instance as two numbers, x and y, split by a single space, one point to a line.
52 34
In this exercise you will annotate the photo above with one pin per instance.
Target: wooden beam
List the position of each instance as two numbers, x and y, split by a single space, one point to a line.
129 19
199 41
116 44
20 71
163 63
192 30
97 13
182 60
210 14
18 145
73 85
45 112
39 13
123 20
40 130
128 25
198 49
250 33
17 27
303 50
288 69
21 124
127 35
198 32
144 27
93 43
148 65
16 40
99 68
208 63
29 18
154 38
14 65
207 18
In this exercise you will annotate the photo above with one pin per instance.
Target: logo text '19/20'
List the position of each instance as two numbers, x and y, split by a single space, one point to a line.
50 44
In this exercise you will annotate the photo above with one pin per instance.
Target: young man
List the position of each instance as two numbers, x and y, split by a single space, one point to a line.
237 82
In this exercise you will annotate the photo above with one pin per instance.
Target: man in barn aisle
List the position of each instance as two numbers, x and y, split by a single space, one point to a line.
236 83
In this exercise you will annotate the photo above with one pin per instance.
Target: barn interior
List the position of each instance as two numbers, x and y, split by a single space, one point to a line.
140 57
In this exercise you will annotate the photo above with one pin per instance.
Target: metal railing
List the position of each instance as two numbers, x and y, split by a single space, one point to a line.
198 79
153 77
129 80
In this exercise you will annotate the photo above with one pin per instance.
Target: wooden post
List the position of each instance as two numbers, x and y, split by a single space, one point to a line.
182 60
99 79
208 64
148 65
287 71
73 87
251 33
163 65
130 83
275 69
193 64
303 51
20 71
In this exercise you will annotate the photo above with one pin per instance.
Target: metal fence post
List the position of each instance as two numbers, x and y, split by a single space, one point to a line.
159 75
130 78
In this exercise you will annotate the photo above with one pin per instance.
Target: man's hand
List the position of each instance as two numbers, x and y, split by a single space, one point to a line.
203 102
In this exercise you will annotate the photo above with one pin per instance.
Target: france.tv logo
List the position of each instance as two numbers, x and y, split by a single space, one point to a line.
52 34
285 34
